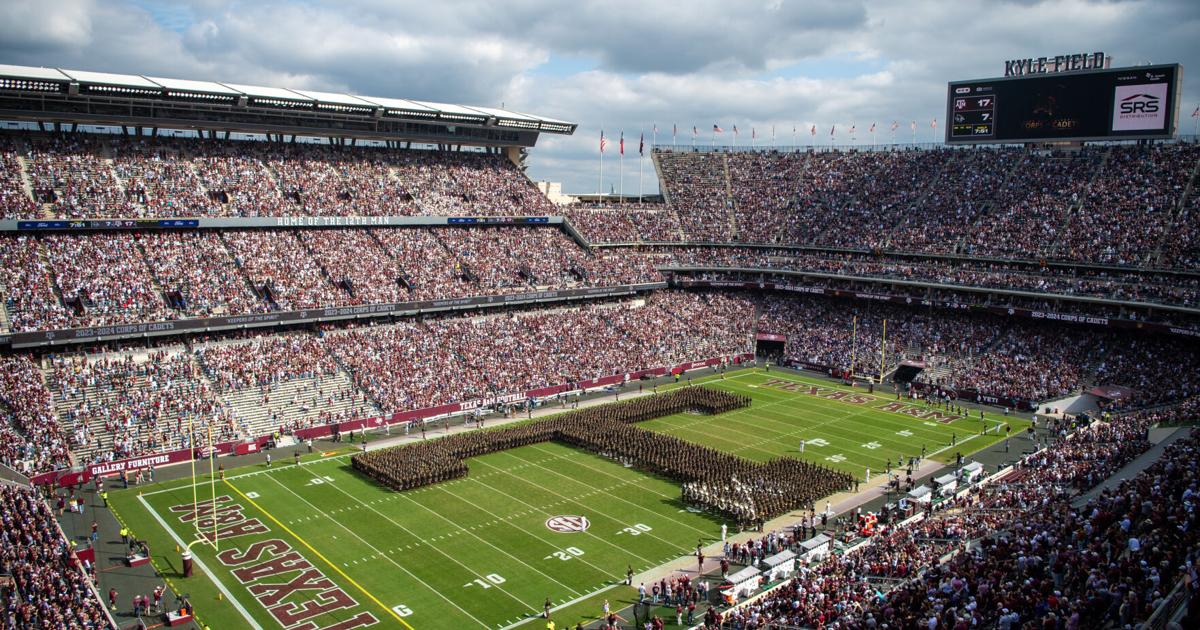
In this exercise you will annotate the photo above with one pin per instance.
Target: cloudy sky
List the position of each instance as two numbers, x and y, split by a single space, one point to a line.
611 64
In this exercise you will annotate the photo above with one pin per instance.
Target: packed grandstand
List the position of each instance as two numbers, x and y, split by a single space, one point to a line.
1013 274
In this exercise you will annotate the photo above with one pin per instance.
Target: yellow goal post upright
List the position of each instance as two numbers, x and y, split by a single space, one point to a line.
853 347
215 542
883 352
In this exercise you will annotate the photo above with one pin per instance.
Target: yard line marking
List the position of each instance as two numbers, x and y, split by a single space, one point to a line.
351 532
410 533
640 507
200 563
477 537
535 537
589 533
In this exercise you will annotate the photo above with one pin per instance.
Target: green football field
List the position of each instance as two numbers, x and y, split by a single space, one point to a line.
318 546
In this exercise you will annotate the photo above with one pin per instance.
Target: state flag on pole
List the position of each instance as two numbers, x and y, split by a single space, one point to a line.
717 129
603 142
622 143
642 145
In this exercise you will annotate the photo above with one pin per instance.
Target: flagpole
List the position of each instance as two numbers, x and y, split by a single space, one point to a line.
621 167
641 170
600 182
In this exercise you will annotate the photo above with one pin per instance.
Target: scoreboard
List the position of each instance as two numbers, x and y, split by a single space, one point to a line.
1122 103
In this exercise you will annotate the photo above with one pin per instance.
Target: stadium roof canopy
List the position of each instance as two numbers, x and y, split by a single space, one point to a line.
77 96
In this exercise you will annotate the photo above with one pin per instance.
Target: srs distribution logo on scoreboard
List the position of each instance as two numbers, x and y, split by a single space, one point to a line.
1137 107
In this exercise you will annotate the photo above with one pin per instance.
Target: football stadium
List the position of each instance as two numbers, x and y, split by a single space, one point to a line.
279 355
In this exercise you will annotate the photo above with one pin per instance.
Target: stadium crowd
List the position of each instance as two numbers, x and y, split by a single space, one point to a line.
988 354
31 438
48 587
71 280
1113 205
1132 285
413 365
111 176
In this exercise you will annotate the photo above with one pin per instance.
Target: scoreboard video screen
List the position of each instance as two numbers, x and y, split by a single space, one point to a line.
1122 103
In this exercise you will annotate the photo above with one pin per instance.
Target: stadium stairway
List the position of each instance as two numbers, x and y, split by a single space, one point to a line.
103 396
27 184
730 203
296 402
668 206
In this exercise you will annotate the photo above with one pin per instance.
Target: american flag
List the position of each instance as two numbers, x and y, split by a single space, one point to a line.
895 125
603 142
933 124
1196 112
717 128
622 143
642 144
872 127
813 131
